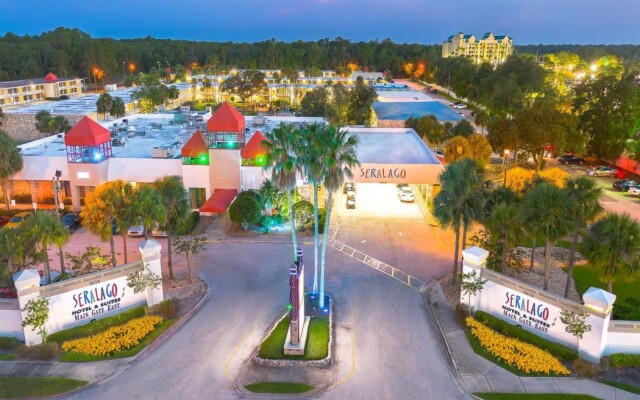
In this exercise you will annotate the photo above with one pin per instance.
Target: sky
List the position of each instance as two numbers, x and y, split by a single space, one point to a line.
413 21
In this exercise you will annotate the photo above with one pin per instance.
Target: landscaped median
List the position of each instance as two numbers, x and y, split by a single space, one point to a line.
22 388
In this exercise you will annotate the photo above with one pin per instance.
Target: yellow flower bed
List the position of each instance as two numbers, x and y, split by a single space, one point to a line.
523 356
114 339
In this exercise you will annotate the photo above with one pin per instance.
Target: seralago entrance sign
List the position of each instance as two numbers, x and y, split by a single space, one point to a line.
397 173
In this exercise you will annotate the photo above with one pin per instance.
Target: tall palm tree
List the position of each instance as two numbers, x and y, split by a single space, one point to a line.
269 194
473 205
10 163
584 206
339 157
311 155
455 205
174 199
505 225
546 208
613 245
45 230
149 207
97 216
283 162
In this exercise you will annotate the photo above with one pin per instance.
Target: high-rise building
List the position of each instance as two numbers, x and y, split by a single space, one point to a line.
492 49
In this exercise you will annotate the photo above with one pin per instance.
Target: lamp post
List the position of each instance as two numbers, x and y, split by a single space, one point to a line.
56 189
124 74
505 160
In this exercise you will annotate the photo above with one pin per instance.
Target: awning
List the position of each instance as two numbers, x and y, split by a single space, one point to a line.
219 201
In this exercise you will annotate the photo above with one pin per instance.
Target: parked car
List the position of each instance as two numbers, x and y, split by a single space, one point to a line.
434 91
349 186
602 171
4 220
567 159
71 222
18 219
460 106
406 194
157 232
634 191
136 230
439 152
624 184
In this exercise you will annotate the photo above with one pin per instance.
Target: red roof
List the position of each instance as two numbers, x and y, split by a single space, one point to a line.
50 78
226 119
195 146
219 201
87 132
254 146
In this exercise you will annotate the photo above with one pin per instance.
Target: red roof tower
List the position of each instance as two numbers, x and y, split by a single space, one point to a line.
88 141
195 151
255 148
50 77
226 128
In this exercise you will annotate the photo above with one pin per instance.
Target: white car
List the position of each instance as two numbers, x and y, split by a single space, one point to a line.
602 171
406 194
136 230
634 191
459 106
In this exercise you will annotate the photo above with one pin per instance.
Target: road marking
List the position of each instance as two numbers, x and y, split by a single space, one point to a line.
244 338
353 354
439 241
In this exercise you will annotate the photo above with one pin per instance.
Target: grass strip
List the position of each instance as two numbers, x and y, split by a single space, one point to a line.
622 386
317 346
78 357
278 387
22 387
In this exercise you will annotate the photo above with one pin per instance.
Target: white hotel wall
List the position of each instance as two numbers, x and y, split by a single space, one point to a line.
252 177
11 319
197 176
623 337
143 169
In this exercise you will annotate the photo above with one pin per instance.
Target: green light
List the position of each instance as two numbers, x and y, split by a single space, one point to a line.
289 307
260 160
202 159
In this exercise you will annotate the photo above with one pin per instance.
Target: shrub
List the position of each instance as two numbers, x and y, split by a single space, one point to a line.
269 221
621 360
114 339
252 194
96 326
303 211
165 309
513 331
584 368
519 178
245 209
520 355
555 176
627 309
39 352
9 343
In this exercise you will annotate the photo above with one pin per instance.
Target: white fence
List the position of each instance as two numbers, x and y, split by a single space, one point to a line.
80 300
538 311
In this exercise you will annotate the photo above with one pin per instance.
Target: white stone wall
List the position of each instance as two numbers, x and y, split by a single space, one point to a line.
10 319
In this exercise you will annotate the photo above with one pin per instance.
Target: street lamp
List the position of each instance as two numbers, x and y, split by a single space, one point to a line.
56 190
505 160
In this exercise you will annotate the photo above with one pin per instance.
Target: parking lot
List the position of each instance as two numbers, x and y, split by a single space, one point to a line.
377 200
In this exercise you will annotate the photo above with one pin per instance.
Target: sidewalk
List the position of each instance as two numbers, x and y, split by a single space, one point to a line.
479 375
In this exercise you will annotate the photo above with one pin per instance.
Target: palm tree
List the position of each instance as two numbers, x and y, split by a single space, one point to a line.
505 225
472 205
10 163
45 230
456 206
149 206
98 215
311 156
584 206
118 108
269 194
613 245
174 200
482 118
282 160
104 104
339 157
546 208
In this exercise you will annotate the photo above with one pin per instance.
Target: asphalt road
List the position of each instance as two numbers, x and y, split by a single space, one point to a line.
397 355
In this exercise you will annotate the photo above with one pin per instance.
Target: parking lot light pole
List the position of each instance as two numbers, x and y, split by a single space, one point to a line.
56 188
505 162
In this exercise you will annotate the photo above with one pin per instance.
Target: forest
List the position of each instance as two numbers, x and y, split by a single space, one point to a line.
71 52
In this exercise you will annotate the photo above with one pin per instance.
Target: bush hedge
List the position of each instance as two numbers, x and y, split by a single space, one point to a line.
621 360
96 326
303 211
9 343
39 352
165 309
245 209
513 331
252 194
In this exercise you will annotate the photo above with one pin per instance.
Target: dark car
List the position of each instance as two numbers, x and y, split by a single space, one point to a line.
624 184
64 97
567 159
71 222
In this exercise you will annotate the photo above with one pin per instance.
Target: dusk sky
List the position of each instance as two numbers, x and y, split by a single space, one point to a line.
420 21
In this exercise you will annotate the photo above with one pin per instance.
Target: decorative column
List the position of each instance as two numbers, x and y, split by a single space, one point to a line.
150 251
599 304
473 259
298 322
27 283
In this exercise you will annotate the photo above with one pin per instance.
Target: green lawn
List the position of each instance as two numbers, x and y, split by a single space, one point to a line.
78 357
20 388
534 396
7 356
317 341
278 387
623 386
528 242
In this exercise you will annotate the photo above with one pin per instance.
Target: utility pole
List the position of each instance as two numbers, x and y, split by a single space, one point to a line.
56 188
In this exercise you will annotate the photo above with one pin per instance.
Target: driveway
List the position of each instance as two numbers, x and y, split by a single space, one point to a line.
396 355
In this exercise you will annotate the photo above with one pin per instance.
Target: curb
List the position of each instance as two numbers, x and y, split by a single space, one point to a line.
427 302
